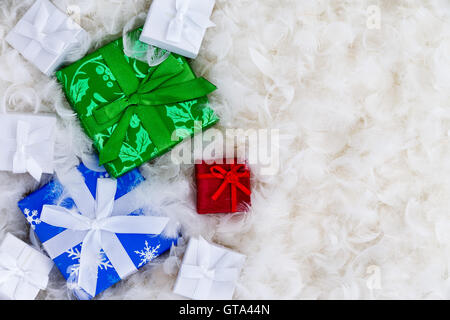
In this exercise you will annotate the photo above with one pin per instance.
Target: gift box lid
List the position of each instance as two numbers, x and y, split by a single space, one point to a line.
219 257
27 256
46 61
163 12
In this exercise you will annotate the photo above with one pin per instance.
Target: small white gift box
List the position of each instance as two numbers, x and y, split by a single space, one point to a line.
27 142
45 36
208 271
178 25
23 270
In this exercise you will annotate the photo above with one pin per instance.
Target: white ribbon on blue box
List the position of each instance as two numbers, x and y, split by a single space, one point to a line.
178 25
23 270
45 36
27 142
208 271
93 229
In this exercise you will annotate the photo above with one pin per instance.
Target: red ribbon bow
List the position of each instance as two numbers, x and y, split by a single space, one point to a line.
229 177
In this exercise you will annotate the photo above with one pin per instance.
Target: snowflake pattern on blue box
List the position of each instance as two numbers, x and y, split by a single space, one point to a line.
147 254
32 217
140 247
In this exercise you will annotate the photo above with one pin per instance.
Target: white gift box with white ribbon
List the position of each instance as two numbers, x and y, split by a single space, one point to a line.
23 270
178 25
45 36
27 142
208 271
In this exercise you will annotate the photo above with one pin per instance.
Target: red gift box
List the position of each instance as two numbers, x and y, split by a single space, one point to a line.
222 188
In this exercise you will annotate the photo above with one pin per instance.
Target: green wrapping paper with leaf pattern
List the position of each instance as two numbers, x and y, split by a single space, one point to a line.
134 112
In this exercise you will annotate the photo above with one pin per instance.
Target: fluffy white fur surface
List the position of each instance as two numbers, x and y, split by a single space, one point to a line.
360 207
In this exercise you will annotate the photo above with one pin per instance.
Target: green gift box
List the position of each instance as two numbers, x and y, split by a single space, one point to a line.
134 112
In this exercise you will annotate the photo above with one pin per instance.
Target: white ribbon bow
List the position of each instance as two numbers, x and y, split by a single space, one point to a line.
23 161
96 228
10 268
186 19
52 42
207 273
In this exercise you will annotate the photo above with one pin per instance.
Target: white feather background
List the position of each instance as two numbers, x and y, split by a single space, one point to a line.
360 208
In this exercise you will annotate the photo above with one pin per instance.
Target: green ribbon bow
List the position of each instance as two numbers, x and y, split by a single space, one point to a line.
141 98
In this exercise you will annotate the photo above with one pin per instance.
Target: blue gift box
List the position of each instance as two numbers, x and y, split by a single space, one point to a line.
141 248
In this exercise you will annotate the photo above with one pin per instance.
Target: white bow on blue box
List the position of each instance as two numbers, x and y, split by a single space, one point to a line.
93 228
178 25
45 36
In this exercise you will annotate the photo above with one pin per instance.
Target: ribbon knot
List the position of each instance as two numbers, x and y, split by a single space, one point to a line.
158 88
95 225
134 99
40 37
96 229
181 14
180 24
19 272
208 273
231 178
